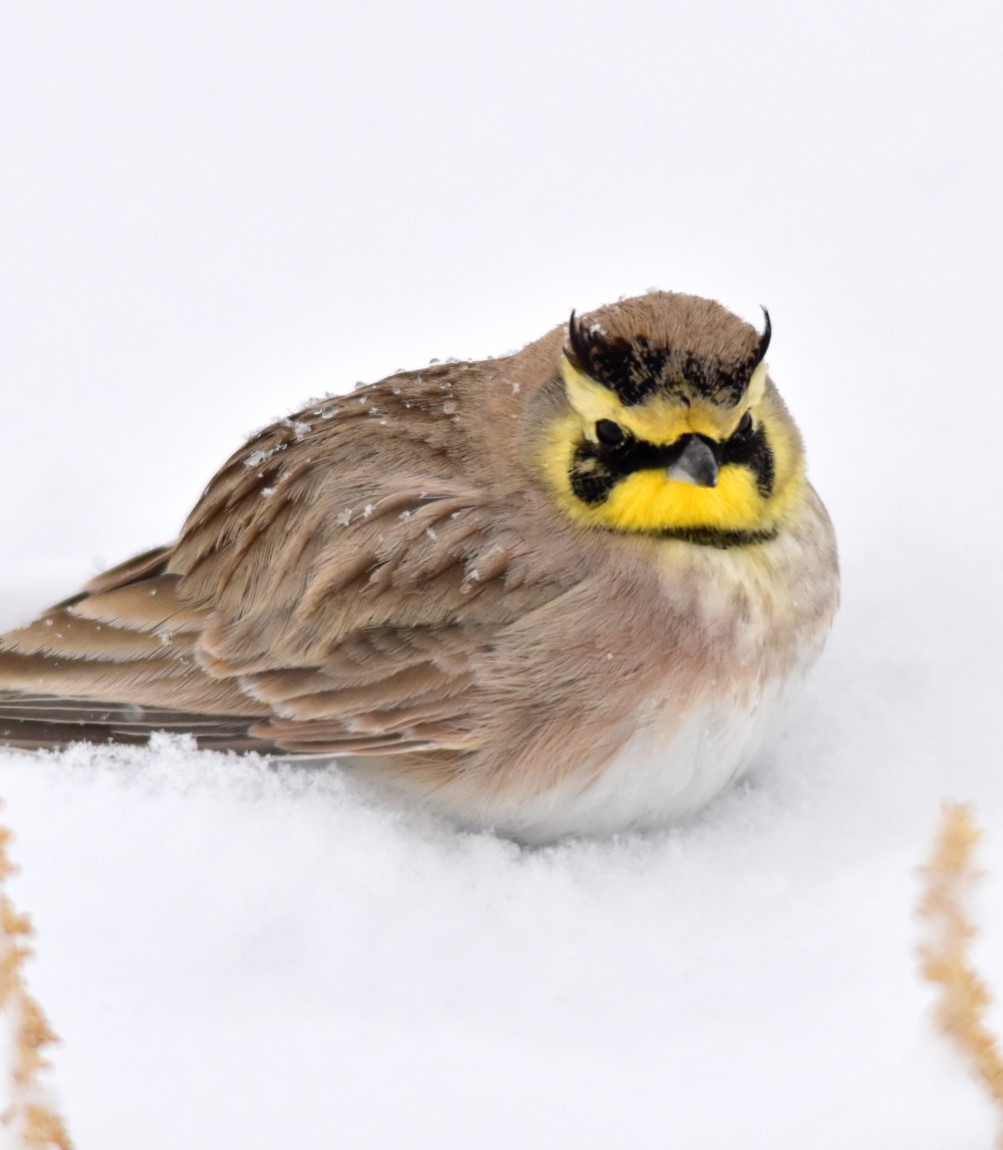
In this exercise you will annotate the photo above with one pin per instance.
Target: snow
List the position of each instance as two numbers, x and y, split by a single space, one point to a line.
212 212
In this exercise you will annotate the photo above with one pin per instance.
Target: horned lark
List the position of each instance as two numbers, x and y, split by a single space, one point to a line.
572 590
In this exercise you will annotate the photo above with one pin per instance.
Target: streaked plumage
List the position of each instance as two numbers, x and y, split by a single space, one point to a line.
567 591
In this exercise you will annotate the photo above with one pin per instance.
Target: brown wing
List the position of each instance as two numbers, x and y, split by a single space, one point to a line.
357 599
334 591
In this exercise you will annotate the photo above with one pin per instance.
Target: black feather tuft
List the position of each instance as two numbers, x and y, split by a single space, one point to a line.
764 340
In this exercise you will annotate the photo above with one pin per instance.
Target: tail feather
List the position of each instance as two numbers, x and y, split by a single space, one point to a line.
40 722
114 664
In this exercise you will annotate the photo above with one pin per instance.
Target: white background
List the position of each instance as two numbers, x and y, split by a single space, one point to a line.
212 211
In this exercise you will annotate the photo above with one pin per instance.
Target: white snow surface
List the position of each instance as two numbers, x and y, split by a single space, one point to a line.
210 212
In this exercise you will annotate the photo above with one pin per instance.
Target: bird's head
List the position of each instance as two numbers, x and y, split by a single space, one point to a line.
669 425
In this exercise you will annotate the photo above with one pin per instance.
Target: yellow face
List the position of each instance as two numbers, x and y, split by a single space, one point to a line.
686 468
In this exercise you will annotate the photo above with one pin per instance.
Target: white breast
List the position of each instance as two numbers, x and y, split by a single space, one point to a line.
659 775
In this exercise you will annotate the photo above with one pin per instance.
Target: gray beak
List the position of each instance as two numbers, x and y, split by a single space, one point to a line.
696 465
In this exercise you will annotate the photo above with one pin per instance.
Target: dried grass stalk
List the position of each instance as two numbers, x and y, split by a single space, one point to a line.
948 880
30 1116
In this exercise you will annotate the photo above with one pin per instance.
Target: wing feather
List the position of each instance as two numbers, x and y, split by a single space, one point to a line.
336 589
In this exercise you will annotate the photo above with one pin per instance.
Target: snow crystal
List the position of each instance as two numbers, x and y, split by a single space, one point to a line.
263 454
298 427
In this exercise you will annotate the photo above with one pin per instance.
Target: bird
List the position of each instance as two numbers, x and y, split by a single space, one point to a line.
571 591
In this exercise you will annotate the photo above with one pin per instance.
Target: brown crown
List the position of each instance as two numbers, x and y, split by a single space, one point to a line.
635 368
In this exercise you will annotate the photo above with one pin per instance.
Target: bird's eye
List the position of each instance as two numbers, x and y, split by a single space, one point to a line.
609 434
745 424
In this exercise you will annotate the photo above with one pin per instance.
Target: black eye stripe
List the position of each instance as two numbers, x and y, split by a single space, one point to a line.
751 449
591 480
596 468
